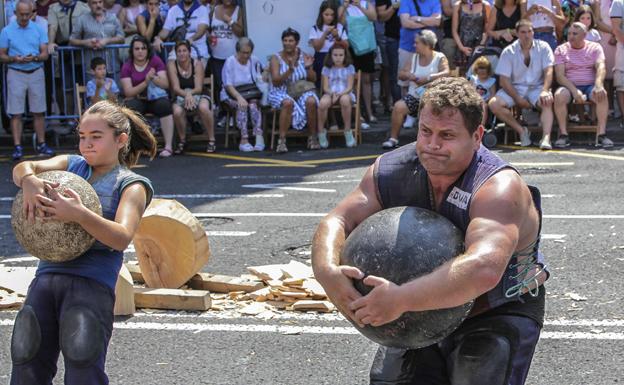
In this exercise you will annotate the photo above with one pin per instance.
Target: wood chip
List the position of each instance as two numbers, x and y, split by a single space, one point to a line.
173 299
223 283
321 306
267 272
254 308
297 270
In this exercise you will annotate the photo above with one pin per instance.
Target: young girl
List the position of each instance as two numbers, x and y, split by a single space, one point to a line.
69 306
585 15
337 78
324 34
484 82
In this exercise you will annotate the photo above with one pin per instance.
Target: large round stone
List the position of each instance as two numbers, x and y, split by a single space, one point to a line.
401 244
56 241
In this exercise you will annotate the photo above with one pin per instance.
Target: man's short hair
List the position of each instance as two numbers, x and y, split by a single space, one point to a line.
523 23
455 93
30 3
97 61
579 25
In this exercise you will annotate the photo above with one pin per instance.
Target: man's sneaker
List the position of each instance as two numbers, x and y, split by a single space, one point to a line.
281 146
525 137
409 122
44 150
562 142
603 141
390 143
322 139
364 126
349 139
18 152
545 144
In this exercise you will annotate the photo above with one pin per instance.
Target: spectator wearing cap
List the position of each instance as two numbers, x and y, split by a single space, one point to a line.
525 71
24 48
94 31
580 71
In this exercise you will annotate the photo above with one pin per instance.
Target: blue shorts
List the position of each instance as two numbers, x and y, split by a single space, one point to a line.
586 90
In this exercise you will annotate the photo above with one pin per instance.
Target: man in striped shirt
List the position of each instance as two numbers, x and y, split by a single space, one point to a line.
580 70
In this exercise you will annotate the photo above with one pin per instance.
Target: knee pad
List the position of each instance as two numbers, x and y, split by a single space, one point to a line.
391 366
81 336
482 356
26 338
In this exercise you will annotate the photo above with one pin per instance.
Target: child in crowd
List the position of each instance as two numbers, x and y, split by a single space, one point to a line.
338 77
585 15
324 34
101 87
484 82
69 306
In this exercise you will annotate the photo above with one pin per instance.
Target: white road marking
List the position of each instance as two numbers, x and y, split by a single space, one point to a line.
552 195
217 196
289 188
541 164
20 259
553 236
584 216
287 329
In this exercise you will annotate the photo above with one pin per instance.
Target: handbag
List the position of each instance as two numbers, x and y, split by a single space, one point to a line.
361 34
297 89
249 91
154 92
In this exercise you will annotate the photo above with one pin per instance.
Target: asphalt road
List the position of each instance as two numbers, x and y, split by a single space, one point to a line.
266 210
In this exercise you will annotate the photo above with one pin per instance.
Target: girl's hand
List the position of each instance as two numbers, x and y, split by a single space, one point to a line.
31 187
334 98
64 208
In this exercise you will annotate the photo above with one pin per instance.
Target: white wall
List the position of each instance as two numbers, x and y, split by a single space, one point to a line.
267 19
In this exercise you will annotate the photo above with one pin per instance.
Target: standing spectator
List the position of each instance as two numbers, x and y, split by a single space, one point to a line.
545 16
100 87
425 65
150 22
112 7
144 83
617 13
24 48
226 27
608 43
388 12
94 31
41 21
189 16
525 72
585 15
338 79
43 6
127 17
415 16
447 43
292 67
241 69
323 35
580 70
501 25
469 20
186 76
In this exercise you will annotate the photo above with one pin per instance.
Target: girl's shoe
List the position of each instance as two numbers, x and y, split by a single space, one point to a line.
180 147
322 138
259 143
247 147
166 153
349 139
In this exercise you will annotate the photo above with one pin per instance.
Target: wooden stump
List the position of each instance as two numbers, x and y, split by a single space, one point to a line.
171 245
124 293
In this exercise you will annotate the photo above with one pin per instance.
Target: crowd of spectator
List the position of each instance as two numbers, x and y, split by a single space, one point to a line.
555 57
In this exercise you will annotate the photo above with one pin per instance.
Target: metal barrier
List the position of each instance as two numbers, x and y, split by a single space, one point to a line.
65 63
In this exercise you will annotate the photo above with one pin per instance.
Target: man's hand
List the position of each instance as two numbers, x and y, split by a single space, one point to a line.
99 83
52 48
546 98
382 305
337 283
157 44
578 96
523 103
599 94
308 60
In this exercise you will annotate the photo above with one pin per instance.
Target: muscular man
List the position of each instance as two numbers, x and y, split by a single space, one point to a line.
501 267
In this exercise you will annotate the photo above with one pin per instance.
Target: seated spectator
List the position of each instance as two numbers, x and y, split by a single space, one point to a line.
546 17
24 48
501 25
186 76
323 35
241 69
195 17
484 82
127 17
338 79
424 66
349 13
580 70
585 15
145 84
94 31
150 22
112 7
469 20
101 87
295 99
525 72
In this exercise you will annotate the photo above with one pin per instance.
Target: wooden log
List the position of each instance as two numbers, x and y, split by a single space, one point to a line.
172 299
124 293
216 283
135 272
171 245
